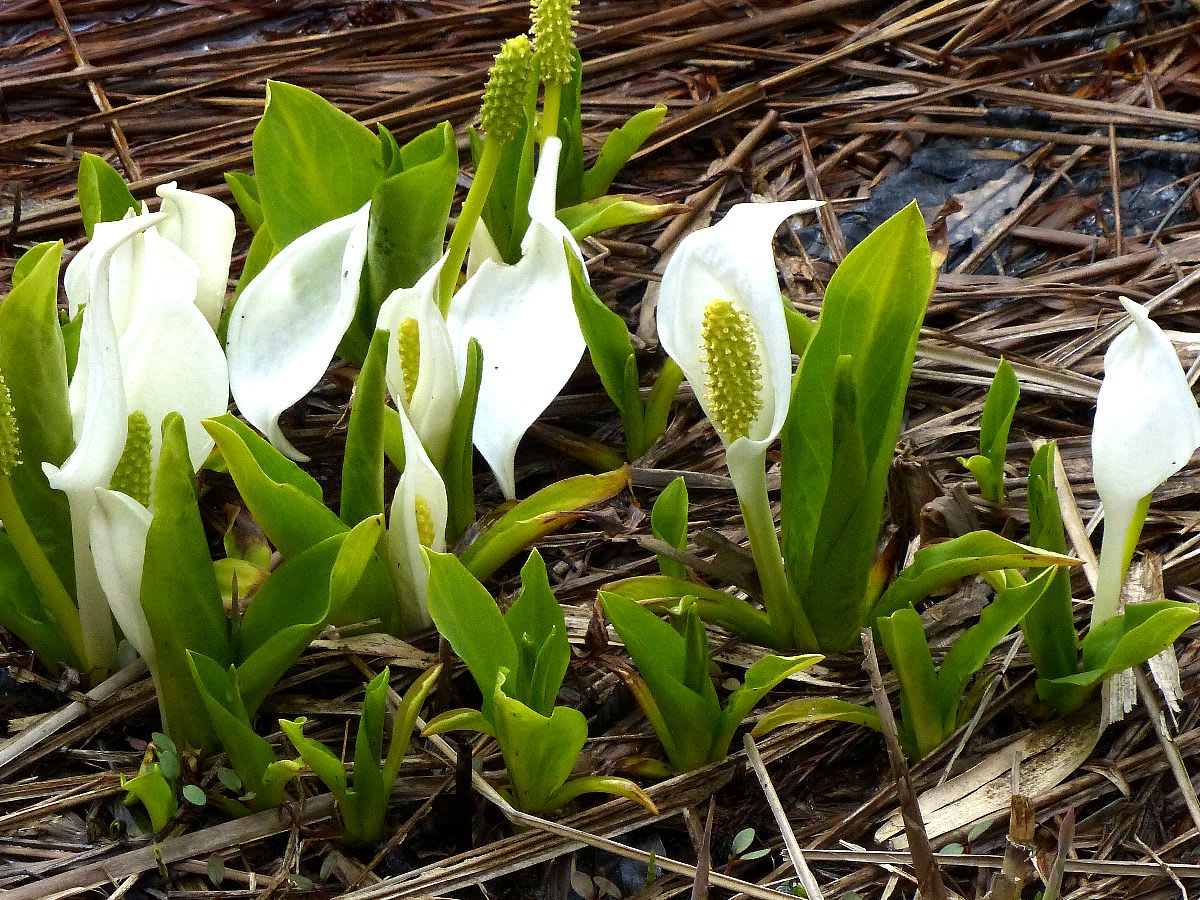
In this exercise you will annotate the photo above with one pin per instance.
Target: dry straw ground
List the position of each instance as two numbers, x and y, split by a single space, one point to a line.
1061 140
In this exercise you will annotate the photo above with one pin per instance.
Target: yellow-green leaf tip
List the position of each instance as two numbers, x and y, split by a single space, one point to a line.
504 94
10 443
733 369
554 38
132 475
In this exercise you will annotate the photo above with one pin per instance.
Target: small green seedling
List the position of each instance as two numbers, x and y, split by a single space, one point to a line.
669 522
674 687
518 659
934 700
1070 673
363 800
998 408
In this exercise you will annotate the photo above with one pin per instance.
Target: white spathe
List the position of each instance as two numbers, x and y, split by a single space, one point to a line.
144 346
419 481
118 526
203 228
1146 428
289 320
431 409
524 320
732 260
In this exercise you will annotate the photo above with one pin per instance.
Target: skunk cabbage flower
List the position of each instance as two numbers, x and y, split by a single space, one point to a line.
418 519
144 348
194 233
525 323
721 319
421 375
1147 426
290 319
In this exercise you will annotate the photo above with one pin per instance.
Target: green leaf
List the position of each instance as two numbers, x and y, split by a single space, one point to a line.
407 226
715 606
685 718
458 473
817 709
539 751
404 722
601 784
32 258
847 516
506 210
245 193
313 163
22 613
970 652
539 632
150 788
760 679
317 757
33 360
370 807
611 349
250 755
103 194
549 510
799 327
872 313
466 615
658 404
296 603
1049 627
618 148
615 211
923 725
570 132
669 522
284 500
943 564
179 593
362 464
998 410
741 842
1142 631
459 720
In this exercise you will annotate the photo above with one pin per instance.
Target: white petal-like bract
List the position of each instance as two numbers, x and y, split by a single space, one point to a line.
732 261
431 408
1147 424
290 319
420 484
202 227
118 526
525 323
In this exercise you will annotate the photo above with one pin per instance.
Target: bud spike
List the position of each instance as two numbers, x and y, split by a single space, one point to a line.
408 346
733 369
554 38
132 475
505 92
10 443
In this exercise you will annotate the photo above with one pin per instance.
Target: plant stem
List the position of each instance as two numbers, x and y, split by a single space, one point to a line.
748 471
1122 527
50 588
551 103
468 216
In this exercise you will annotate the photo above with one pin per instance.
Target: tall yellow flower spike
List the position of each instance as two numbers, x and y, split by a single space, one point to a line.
733 369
